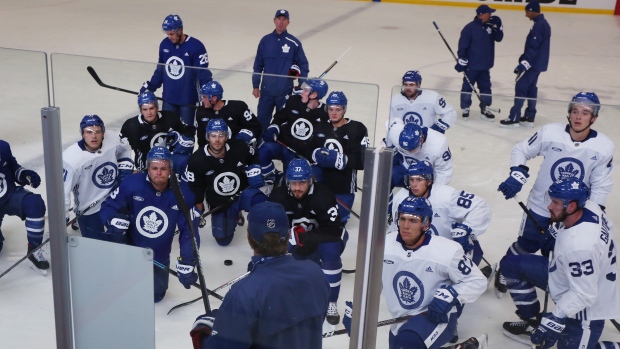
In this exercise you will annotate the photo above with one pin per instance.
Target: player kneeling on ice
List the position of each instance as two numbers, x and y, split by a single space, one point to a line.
280 305
581 277
144 212
15 200
427 277
317 232
226 174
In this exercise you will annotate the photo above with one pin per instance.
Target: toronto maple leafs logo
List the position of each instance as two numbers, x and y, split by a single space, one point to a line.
409 289
2 185
159 139
226 184
152 222
104 175
567 168
301 129
333 144
175 68
413 118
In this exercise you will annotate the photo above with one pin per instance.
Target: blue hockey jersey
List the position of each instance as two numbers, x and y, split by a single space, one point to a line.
8 172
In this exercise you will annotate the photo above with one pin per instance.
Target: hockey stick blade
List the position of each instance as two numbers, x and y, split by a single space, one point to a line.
348 271
379 324
183 304
616 324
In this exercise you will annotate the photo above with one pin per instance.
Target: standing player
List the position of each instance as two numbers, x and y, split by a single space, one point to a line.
242 123
157 128
15 200
570 151
144 212
182 66
581 277
293 127
224 172
421 107
428 278
316 230
280 305
457 214
278 53
476 58
91 168
533 61
339 147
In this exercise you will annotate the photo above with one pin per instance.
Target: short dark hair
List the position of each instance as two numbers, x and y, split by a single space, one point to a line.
272 246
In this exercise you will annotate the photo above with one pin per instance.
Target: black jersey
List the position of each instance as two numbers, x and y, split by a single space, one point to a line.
219 179
296 122
142 136
237 116
350 139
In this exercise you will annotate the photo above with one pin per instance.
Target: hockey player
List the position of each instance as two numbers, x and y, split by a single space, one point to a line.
293 127
581 277
242 123
317 232
420 106
144 212
224 172
428 278
182 63
15 200
278 53
280 305
153 127
457 214
476 54
415 143
91 168
339 147
573 150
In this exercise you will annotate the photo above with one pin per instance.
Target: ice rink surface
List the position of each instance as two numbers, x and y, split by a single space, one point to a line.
386 40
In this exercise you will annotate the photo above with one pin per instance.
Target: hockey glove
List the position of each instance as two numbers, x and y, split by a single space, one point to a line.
271 133
146 86
294 71
27 177
461 65
255 177
445 298
347 319
246 135
440 126
522 67
495 23
461 233
297 236
180 144
511 186
548 332
202 328
187 274
329 158
117 227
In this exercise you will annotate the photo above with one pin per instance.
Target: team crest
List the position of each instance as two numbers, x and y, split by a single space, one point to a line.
151 222
2 185
409 290
333 144
159 139
175 68
104 175
413 118
567 168
301 129
226 184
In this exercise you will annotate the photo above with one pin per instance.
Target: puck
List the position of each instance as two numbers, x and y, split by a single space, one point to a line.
228 262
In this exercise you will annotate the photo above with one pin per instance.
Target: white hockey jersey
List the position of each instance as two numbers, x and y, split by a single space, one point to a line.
583 271
90 176
423 110
450 206
435 149
411 277
590 160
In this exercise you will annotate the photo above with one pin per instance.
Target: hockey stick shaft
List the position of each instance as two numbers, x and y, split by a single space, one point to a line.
215 209
379 324
529 215
333 64
347 208
99 82
465 75
172 272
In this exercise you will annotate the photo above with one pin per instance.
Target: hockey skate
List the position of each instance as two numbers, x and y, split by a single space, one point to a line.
480 342
486 114
240 219
333 318
465 114
500 283
489 272
75 226
520 331
525 122
507 123
37 261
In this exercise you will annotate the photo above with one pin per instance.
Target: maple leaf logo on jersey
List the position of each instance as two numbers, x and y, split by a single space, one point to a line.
568 172
407 291
301 130
2 185
286 48
161 142
151 223
175 68
227 185
106 176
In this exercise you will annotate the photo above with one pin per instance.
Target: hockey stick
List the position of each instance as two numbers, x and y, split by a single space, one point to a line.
97 79
211 211
465 75
229 283
164 267
333 64
379 324
176 189
529 215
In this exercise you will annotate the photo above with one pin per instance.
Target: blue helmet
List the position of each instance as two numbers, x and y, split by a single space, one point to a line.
216 125
147 97
337 98
159 153
172 22
420 168
91 120
211 89
571 189
317 85
417 206
299 170
588 99
413 76
410 137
